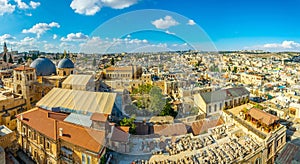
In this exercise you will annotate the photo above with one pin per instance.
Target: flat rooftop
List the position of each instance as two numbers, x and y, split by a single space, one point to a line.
4 130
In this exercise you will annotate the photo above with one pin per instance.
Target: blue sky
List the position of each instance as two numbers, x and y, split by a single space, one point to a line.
94 26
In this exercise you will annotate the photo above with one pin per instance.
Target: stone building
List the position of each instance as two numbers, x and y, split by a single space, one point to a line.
28 85
47 138
125 72
215 101
6 137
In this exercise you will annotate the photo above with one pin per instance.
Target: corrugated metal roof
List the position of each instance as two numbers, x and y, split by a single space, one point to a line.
79 119
77 101
77 80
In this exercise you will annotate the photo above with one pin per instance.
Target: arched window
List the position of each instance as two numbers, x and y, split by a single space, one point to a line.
65 73
258 161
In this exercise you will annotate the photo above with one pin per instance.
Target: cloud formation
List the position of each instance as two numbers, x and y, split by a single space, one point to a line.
169 32
34 5
21 5
40 28
287 44
119 4
91 7
164 23
191 22
54 36
75 37
6 8
6 37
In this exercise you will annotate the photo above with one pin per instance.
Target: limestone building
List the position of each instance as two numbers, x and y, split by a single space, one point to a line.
28 84
215 101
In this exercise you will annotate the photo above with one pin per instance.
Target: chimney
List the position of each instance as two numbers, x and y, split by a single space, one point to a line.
60 132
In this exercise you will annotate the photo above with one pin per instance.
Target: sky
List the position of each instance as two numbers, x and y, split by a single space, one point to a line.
102 26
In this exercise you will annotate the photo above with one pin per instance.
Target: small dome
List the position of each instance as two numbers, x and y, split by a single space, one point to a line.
65 63
43 66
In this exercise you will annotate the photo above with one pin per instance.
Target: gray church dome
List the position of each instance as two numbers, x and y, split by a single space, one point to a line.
65 63
43 66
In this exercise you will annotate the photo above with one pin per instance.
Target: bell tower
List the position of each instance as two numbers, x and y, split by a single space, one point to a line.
24 78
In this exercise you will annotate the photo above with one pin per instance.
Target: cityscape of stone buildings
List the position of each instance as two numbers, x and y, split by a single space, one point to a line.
166 107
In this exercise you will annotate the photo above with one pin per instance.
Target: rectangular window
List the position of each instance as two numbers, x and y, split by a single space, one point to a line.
209 109
24 130
29 134
48 145
83 158
88 159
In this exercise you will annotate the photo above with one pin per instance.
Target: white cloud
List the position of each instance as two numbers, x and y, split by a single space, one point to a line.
191 22
119 4
171 33
91 7
26 44
54 36
21 5
5 7
75 37
164 23
6 37
28 14
86 7
27 39
34 5
284 45
41 28
48 47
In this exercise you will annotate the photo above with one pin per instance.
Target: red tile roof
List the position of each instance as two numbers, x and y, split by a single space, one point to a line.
84 137
170 129
119 135
49 123
38 119
99 117
262 116
201 126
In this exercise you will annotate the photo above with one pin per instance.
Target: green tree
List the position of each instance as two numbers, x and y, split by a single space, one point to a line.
10 60
112 61
4 57
94 62
129 122
20 61
157 101
234 69
168 111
